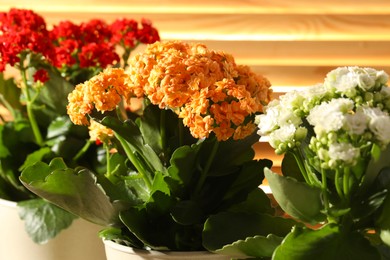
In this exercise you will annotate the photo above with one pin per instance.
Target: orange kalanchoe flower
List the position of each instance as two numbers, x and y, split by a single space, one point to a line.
206 88
99 132
102 92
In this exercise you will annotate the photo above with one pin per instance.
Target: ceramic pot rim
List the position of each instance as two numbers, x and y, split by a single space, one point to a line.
8 203
130 250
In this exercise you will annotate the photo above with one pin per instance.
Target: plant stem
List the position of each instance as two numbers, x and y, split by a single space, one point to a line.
134 160
8 106
30 114
82 151
108 164
337 184
121 111
325 190
181 133
298 158
162 129
346 182
205 171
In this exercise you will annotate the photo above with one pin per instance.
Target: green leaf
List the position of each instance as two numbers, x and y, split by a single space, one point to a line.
151 223
328 242
74 190
131 133
257 246
378 162
383 220
384 234
233 228
297 199
10 91
187 212
117 163
290 167
60 126
248 178
43 220
150 127
159 184
52 99
256 202
367 207
182 168
136 220
230 154
34 157
4 152
116 235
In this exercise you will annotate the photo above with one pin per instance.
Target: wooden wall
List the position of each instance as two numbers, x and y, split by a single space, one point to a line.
292 43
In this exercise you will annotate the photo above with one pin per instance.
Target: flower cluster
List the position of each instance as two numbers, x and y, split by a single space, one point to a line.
180 165
204 87
39 67
335 139
72 48
348 114
22 30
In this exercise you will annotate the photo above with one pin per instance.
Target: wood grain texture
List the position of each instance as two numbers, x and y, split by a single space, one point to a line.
207 6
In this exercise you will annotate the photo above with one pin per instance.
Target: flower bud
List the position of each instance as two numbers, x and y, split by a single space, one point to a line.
358 100
368 97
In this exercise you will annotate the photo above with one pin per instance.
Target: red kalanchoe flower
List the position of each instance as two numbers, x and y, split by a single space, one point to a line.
98 55
66 53
98 142
22 19
148 34
65 30
96 31
41 75
124 32
22 30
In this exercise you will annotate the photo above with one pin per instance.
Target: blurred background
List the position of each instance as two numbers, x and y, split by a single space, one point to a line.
292 43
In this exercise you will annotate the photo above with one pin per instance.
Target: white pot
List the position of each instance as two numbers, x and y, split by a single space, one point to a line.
116 251
78 242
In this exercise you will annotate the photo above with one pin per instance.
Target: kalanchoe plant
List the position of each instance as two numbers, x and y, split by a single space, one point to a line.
45 65
181 173
335 140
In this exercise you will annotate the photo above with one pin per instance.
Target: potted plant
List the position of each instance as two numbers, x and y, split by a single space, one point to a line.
178 129
39 68
335 140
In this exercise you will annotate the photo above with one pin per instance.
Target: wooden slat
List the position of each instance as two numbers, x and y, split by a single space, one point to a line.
252 27
306 53
283 77
207 6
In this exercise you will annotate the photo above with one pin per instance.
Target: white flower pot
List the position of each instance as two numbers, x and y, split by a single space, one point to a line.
116 251
79 242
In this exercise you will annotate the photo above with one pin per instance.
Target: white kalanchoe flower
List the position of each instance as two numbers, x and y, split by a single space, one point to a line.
379 124
384 94
269 121
291 100
356 123
279 114
282 138
342 80
312 97
366 81
344 152
330 116
382 77
380 127
348 112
